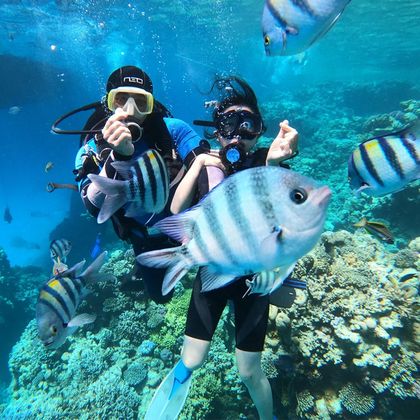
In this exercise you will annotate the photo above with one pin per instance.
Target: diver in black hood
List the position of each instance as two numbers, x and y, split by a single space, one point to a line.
129 122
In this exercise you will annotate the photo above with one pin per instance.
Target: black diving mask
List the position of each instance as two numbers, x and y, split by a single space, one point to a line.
236 123
245 124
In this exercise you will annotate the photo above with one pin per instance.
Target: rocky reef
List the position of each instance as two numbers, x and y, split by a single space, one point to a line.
351 339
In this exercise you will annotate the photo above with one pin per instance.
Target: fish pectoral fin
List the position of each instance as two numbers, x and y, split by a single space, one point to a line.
74 271
180 226
291 30
211 280
362 188
81 319
273 239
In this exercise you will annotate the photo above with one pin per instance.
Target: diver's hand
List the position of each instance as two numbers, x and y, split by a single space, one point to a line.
284 145
117 134
206 159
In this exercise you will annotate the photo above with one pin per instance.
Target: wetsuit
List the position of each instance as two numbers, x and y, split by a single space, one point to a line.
181 143
251 311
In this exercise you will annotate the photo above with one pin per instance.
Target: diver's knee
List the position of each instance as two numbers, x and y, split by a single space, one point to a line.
249 374
194 352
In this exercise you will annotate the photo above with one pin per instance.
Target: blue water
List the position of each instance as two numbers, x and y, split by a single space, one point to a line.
57 55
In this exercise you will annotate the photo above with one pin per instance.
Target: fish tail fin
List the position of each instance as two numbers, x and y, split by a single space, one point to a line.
361 223
92 274
168 257
116 195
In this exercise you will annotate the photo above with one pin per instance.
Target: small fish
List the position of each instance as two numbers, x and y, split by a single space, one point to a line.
378 229
267 282
59 249
255 220
383 165
49 166
292 26
59 299
96 249
7 216
14 110
145 188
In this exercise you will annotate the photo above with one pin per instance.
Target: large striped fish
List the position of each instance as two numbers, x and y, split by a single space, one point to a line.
292 26
145 187
255 220
59 299
386 164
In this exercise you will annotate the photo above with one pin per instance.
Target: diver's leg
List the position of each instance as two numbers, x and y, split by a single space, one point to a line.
194 352
249 366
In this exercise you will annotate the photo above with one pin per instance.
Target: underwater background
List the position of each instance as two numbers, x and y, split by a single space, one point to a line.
349 345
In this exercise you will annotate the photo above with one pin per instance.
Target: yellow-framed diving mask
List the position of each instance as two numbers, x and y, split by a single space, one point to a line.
130 99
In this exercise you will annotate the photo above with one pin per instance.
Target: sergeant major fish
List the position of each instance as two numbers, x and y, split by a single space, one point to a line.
255 220
59 249
267 282
145 188
385 164
59 299
292 26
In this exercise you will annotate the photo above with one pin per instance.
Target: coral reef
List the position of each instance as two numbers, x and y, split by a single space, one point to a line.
347 347
359 322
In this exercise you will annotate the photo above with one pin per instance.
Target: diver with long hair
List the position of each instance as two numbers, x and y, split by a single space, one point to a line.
237 125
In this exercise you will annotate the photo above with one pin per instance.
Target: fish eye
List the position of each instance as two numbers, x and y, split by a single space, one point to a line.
298 196
266 40
54 330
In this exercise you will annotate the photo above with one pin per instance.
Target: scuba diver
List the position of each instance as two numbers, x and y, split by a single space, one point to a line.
126 124
237 124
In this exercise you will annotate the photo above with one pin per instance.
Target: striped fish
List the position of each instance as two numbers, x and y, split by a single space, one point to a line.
267 282
59 299
292 26
255 220
144 190
59 249
383 165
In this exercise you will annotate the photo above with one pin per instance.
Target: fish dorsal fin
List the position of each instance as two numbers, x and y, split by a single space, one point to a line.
211 280
411 128
82 319
326 29
74 271
180 226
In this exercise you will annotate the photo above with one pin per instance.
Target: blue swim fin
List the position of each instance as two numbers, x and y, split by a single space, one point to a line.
169 398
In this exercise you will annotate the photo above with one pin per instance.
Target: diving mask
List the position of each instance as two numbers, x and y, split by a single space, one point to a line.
134 101
241 123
